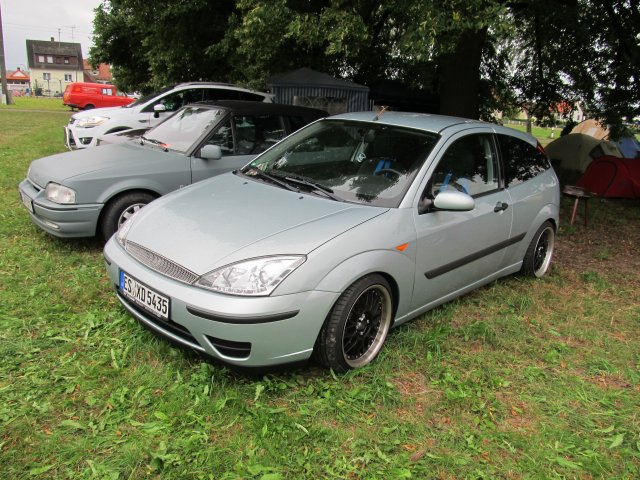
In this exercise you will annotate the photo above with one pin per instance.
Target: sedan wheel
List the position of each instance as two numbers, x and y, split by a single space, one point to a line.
538 257
357 326
118 211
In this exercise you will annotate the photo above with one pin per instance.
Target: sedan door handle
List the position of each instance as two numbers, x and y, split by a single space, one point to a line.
500 206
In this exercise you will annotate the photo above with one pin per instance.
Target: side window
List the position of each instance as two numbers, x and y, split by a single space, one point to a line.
220 94
469 165
522 160
107 91
256 133
251 97
223 137
297 123
176 100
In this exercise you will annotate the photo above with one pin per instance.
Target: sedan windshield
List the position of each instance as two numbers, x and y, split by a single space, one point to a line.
180 131
362 162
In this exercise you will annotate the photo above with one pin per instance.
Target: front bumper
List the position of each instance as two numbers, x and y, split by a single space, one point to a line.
76 137
66 221
242 331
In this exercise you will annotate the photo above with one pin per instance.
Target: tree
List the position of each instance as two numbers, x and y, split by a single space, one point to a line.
479 56
152 44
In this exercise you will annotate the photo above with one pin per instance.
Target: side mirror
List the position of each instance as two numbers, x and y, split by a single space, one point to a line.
157 109
450 201
211 152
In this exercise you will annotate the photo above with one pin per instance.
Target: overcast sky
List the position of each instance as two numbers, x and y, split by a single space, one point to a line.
40 20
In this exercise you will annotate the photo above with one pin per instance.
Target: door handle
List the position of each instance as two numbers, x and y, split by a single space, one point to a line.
500 206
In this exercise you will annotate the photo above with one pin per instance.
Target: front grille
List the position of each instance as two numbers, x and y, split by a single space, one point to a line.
160 264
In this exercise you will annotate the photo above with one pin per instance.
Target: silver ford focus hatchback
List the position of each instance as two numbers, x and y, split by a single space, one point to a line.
343 230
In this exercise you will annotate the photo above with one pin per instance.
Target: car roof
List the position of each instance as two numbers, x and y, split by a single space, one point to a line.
430 122
246 106
422 121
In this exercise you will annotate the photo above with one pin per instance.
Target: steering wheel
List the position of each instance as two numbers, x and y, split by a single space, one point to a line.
388 170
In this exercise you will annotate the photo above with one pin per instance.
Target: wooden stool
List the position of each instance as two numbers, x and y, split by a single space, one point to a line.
577 193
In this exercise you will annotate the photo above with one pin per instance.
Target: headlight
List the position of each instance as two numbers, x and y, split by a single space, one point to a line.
59 194
90 122
123 230
255 277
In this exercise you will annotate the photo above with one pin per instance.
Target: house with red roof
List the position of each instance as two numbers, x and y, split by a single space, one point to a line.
18 82
101 74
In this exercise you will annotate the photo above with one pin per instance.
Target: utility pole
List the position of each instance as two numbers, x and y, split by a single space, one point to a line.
3 69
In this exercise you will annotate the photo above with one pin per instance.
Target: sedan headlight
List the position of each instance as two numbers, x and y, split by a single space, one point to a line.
255 277
90 122
60 194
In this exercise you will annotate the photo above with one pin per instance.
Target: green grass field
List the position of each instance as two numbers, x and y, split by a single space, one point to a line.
36 103
521 379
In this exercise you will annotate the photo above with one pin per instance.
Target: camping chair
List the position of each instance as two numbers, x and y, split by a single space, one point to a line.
578 194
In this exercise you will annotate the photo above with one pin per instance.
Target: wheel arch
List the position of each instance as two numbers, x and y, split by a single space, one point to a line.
396 267
114 196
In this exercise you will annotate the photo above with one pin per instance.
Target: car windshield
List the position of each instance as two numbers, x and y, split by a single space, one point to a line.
181 130
361 162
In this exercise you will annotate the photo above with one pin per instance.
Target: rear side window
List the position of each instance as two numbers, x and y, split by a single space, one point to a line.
522 161
220 94
251 97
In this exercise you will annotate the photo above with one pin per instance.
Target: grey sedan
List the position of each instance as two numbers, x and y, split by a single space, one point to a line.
349 227
90 191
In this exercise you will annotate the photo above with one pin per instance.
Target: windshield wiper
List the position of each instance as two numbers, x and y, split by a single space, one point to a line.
315 186
256 172
153 141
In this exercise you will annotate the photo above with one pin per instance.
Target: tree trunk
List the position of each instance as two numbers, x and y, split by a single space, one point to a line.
460 76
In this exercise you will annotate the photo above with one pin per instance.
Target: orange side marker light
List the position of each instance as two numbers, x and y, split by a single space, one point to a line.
402 247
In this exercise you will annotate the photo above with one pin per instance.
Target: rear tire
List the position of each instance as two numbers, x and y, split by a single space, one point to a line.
119 209
88 106
538 257
355 330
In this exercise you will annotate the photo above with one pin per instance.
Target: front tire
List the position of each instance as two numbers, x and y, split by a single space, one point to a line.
355 330
118 210
538 257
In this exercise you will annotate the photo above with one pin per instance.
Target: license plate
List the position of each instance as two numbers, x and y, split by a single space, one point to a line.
26 201
142 295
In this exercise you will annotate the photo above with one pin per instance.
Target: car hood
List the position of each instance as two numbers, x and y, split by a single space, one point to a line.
101 112
64 166
230 218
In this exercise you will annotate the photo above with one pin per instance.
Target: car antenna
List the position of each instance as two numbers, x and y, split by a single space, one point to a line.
380 111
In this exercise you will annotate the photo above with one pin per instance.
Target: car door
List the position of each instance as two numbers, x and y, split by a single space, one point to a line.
460 249
240 138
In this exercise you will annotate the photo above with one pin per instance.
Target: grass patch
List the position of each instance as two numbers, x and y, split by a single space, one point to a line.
520 379
37 103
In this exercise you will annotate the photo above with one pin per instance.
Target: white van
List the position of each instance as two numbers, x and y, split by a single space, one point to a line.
84 128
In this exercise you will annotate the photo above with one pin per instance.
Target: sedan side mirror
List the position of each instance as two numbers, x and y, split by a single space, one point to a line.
449 200
157 109
211 152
